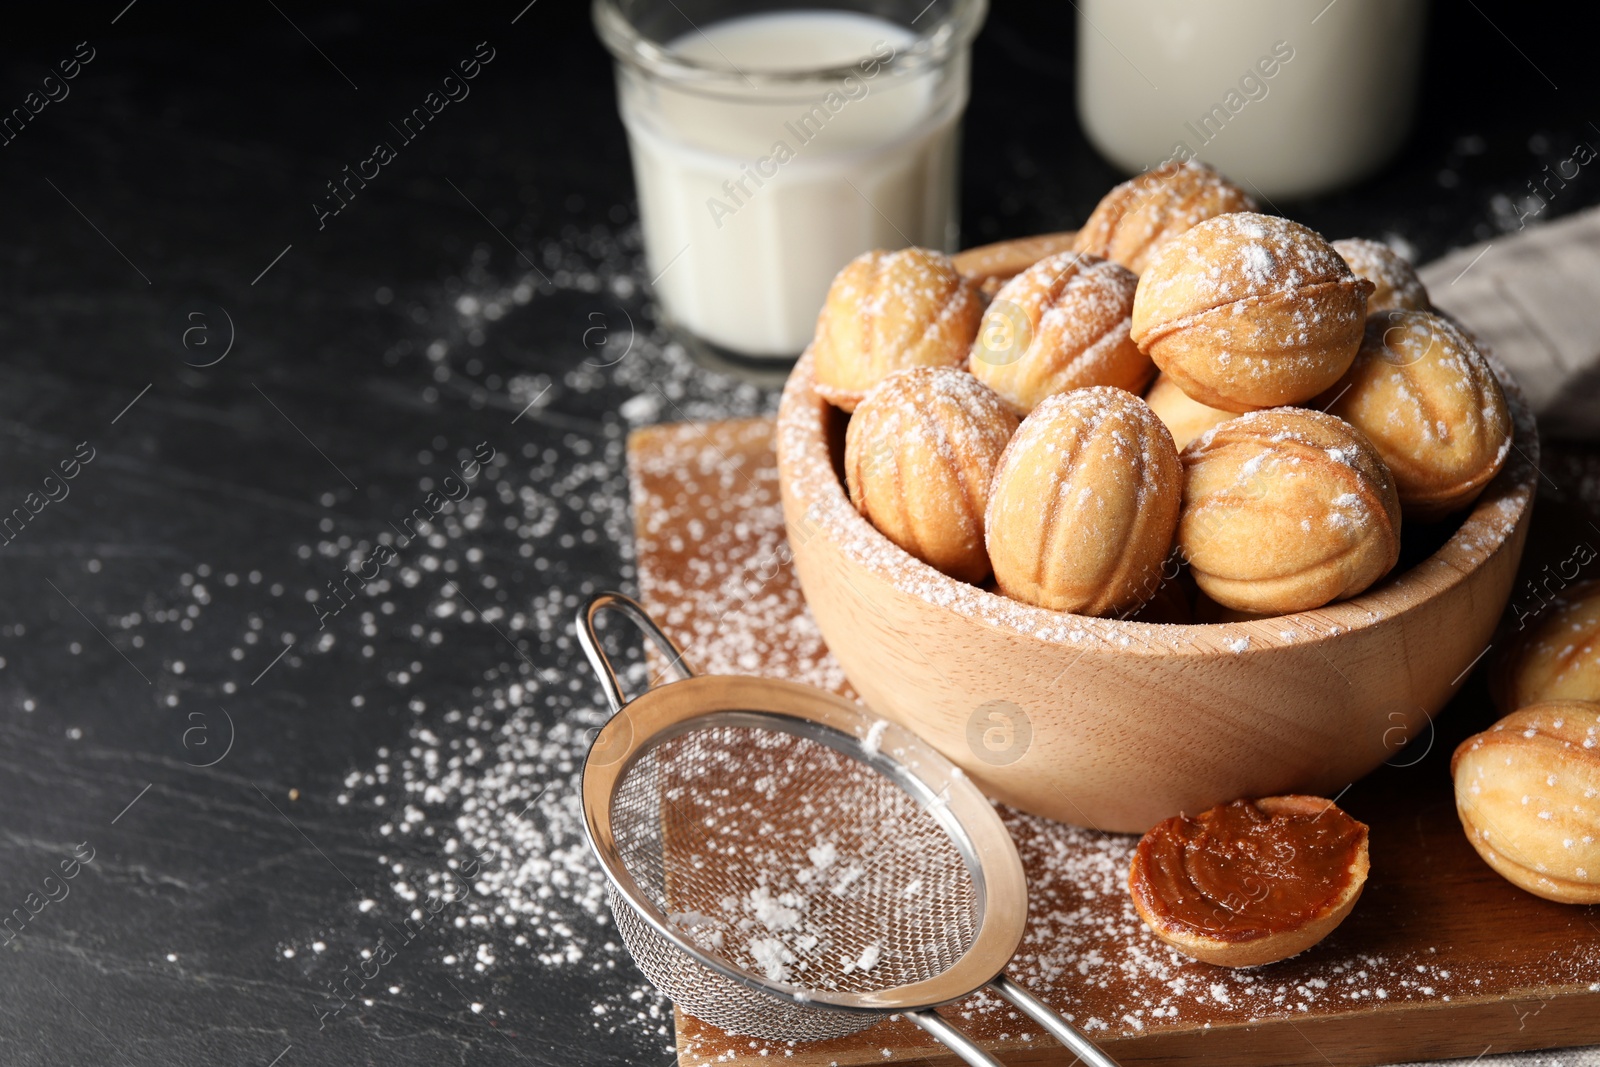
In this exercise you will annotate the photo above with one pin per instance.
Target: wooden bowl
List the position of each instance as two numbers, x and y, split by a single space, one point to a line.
1117 724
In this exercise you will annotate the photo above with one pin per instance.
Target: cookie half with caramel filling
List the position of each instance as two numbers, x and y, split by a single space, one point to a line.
1250 882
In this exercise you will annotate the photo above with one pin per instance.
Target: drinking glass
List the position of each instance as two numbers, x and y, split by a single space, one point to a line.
771 144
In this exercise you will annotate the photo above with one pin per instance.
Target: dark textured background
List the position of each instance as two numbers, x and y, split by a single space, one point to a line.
195 143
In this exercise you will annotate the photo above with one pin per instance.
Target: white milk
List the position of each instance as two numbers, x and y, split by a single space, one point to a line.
1290 97
752 201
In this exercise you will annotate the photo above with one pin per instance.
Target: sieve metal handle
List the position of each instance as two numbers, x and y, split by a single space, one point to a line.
1045 1016
1031 1006
590 642
951 1038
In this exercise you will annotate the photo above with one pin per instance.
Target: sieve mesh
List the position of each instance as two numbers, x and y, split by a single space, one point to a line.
792 861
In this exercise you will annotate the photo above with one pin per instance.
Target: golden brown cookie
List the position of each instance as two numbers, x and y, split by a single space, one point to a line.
1286 510
1186 417
1250 882
1249 311
1396 285
1429 403
1061 324
1137 217
1555 653
887 311
1528 793
919 453
1083 504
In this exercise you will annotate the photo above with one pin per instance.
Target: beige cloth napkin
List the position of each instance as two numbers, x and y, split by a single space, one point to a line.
1534 296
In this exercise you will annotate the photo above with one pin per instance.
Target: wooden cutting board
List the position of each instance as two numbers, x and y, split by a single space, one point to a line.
1440 958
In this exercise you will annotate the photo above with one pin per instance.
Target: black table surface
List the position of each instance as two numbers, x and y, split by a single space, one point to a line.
265 396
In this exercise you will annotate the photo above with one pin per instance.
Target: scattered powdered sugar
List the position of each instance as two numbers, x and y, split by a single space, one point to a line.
1238 256
773 957
864 962
778 914
822 855
500 781
477 806
1348 511
1259 264
679 476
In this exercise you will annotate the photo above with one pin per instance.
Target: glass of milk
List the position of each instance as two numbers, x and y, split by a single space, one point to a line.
1286 97
772 144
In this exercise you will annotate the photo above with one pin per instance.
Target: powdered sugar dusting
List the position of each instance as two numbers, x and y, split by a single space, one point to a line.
727 497
1267 293
1240 255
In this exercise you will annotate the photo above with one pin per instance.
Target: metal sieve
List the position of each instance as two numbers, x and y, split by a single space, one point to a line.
785 866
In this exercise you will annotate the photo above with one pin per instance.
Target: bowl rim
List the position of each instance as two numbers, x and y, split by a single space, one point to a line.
805 468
